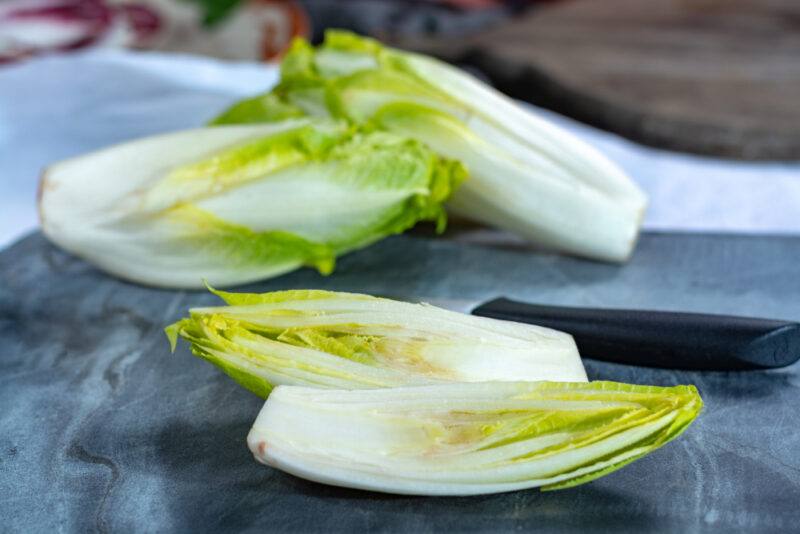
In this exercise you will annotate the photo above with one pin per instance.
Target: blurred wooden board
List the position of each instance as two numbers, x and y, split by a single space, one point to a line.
716 77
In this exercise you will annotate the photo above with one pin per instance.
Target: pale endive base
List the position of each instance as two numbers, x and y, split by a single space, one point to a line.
85 201
467 439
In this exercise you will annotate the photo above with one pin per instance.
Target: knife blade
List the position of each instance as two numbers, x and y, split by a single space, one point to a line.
674 340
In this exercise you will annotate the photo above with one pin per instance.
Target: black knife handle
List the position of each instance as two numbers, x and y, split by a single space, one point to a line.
662 339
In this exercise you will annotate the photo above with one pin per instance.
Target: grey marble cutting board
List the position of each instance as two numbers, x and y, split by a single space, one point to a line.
101 429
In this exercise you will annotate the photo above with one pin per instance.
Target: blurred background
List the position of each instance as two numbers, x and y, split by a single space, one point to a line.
231 29
696 99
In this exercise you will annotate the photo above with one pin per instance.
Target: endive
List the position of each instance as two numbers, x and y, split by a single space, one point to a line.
240 203
527 175
465 439
343 340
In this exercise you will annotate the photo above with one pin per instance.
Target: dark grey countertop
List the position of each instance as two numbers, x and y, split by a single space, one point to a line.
101 429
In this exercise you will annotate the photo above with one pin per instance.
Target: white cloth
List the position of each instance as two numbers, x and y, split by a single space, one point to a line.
56 107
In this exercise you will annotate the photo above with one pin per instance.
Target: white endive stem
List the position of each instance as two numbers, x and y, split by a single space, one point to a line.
576 200
467 439
92 185
93 206
501 116
523 194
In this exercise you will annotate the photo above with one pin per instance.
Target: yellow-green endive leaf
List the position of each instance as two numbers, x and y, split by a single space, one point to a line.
526 174
347 340
262 108
235 204
467 438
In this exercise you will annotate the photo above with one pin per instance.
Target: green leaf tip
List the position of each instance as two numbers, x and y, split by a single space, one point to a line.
262 108
173 331
352 42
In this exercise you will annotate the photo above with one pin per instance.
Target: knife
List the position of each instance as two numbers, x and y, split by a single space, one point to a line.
673 340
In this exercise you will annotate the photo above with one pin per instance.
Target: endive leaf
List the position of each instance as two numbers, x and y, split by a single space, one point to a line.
236 204
262 108
527 175
466 439
346 340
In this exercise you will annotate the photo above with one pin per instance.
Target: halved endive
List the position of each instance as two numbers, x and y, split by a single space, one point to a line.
241 203
526 175
466 439
344 340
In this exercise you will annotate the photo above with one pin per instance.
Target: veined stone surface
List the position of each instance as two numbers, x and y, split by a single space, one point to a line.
102 429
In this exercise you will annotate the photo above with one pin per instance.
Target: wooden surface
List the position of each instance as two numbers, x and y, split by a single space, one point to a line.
103 430
718 77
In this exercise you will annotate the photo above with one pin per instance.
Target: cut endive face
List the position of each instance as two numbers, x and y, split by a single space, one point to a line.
344 340
526 175
467 439
240 203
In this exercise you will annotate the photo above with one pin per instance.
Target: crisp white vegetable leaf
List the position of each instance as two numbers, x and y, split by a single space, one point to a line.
467 438
240 203
346 340
527 175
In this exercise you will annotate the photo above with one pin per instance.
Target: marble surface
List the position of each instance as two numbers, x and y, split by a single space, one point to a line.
102 429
